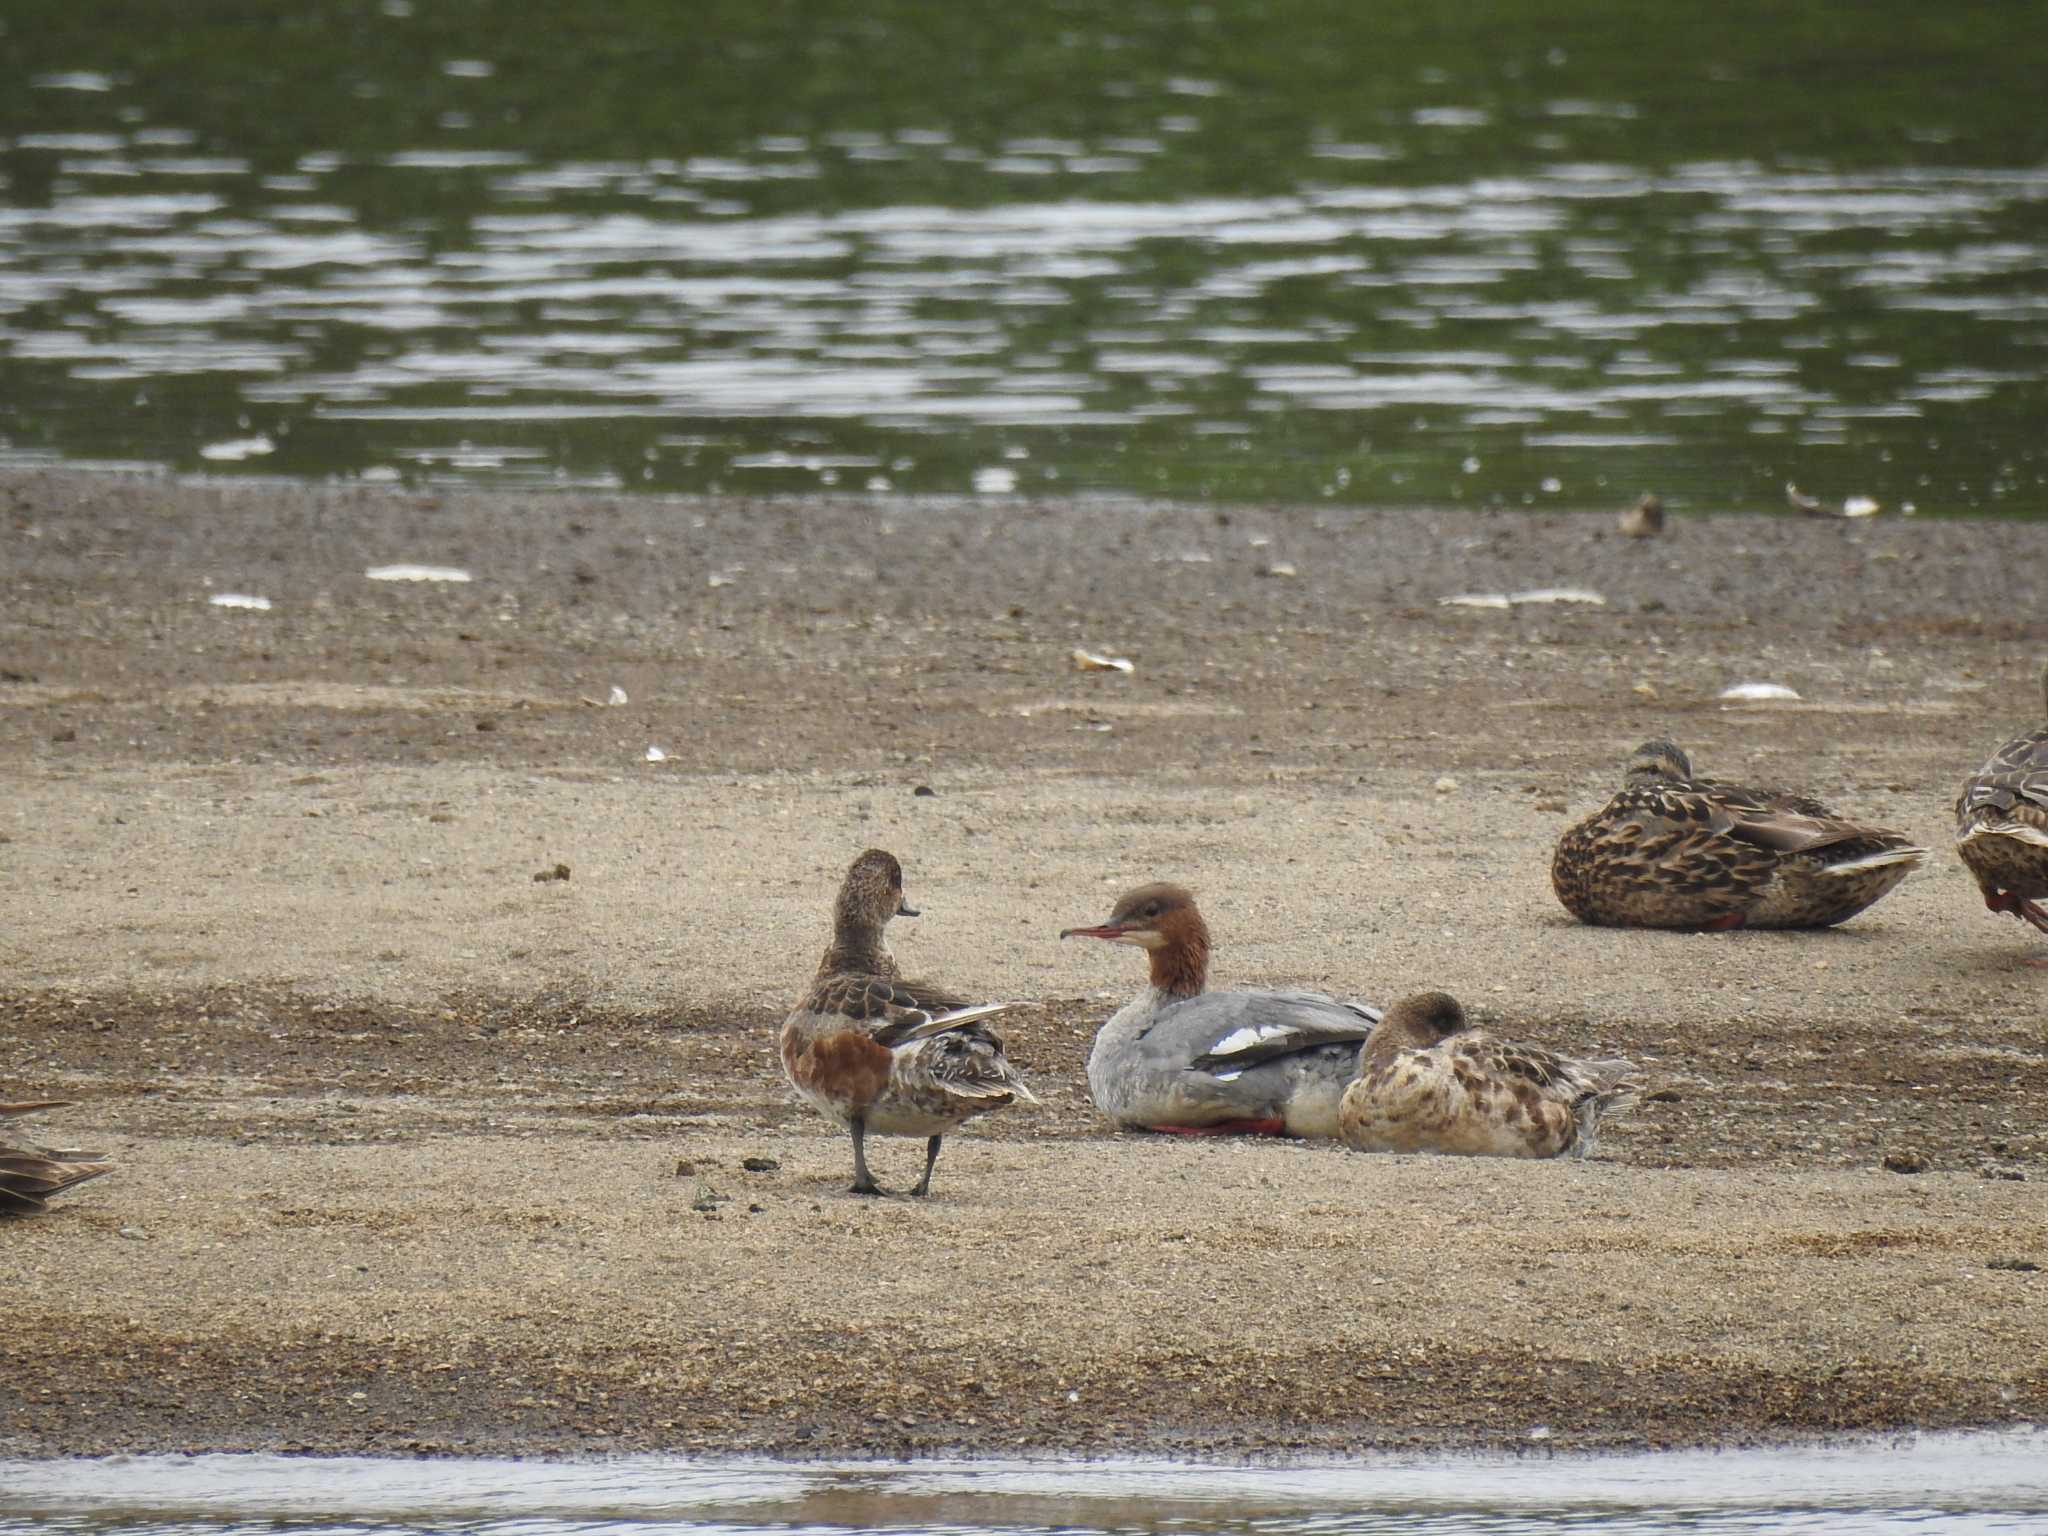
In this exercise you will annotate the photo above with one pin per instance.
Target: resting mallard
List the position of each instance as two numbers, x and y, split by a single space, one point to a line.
1427 1083
29 1176
1672 851
2002 825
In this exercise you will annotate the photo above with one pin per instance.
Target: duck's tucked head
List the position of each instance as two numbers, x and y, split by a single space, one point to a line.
1416 1023
1436 1014
1163 919
871 894
1658 762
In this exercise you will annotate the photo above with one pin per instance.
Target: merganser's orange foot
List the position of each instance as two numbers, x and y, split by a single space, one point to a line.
1273 1126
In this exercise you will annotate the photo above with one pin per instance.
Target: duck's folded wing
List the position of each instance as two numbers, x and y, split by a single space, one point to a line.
2011 788
1785 831
1507 1061
896 1012
1230 1031
908 1028
29 1176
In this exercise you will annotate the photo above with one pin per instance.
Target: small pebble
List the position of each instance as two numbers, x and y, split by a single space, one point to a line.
1445 785
135 1234
1905 1162
559 872
924 789
759 1164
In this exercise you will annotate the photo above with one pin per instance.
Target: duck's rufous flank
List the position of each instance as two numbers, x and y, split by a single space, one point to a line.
1673 851
1182 1059
30 1176
873 1052
2002 826
1428 1083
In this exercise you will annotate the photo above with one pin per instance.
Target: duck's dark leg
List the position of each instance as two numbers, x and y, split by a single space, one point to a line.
931 1160
863 1181
2032 912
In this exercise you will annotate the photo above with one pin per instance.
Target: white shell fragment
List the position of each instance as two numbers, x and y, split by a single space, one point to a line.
995 481
1860 506
656 755
617 695
237 448
416 573
1514 599
239 600
1750 693
1088 661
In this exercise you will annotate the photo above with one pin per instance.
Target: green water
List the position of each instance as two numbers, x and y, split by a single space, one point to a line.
1516 254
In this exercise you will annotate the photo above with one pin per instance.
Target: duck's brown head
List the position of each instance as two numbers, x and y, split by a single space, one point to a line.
1416 1023
870 895
1163 920
1658 762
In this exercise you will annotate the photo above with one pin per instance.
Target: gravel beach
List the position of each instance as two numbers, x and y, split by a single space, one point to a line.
431 1022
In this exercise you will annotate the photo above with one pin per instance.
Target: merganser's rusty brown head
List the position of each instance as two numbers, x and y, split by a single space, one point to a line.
1163 920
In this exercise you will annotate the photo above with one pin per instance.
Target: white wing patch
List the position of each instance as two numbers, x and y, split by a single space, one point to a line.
1876 861
1244 1039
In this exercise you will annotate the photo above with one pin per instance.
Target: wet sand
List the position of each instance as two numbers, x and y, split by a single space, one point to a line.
421 1152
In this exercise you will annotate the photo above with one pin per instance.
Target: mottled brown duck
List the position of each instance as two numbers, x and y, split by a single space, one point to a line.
1428 1082
873 1052
30 1175
2002 826
1674 851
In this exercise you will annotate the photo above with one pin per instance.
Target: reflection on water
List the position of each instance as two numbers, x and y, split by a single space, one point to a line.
1556 274
1932 1483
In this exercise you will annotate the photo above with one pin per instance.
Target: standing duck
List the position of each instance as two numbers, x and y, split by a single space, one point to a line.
2002 826
1672 851
872 1052
1179 1059
1428 1083
29 1176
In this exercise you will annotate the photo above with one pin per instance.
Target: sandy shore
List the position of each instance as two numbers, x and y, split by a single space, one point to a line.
421 1152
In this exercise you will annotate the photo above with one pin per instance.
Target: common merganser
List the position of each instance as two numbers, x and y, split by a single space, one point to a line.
1428 1083
29 1176
1672 851
2002 826
873 1052
1179 1059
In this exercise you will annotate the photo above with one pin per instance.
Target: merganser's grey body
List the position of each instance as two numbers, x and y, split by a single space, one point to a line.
1178 1058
